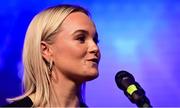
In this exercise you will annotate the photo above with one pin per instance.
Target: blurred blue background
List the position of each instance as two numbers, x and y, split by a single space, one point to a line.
140 36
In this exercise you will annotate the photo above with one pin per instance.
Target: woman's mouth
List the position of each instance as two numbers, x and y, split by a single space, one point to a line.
94 60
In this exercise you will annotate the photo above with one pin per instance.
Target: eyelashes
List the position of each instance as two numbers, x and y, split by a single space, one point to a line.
82 38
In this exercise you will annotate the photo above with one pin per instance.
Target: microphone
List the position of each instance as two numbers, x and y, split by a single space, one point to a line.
135 93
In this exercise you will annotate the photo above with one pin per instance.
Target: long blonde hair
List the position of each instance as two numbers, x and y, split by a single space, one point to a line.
43 27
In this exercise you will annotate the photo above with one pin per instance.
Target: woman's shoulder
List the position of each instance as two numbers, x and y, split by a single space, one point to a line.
25 102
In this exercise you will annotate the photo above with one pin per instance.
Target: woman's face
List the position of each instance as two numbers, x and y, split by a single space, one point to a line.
75 51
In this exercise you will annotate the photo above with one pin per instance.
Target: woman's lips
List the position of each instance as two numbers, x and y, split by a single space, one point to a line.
94 60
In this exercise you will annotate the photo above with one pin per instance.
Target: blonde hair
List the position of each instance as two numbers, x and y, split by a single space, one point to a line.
43 27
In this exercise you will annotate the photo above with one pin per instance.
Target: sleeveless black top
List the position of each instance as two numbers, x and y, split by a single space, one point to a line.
27 102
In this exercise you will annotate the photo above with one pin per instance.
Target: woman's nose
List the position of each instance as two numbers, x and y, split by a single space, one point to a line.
94 48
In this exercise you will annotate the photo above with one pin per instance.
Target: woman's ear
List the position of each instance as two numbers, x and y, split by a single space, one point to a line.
46 51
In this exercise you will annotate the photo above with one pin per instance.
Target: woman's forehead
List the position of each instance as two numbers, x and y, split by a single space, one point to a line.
78 21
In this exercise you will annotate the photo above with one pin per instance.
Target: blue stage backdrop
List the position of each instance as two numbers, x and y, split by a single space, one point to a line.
140 36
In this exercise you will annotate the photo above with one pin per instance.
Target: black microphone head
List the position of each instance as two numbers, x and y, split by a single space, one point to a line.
126 82
124 79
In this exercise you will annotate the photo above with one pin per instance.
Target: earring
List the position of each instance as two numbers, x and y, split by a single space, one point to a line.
50 65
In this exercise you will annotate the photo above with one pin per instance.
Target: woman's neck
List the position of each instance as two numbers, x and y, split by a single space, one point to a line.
66 91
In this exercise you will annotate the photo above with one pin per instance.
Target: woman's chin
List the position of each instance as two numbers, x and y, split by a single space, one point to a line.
92 75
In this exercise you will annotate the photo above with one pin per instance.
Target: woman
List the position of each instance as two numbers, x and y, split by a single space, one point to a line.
60 54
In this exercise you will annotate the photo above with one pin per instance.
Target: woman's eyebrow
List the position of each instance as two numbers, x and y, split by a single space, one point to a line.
85 32
81 31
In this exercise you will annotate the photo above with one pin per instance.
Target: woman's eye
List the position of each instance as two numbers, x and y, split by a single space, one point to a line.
81 39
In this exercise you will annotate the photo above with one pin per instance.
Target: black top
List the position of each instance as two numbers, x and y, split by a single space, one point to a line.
27 102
